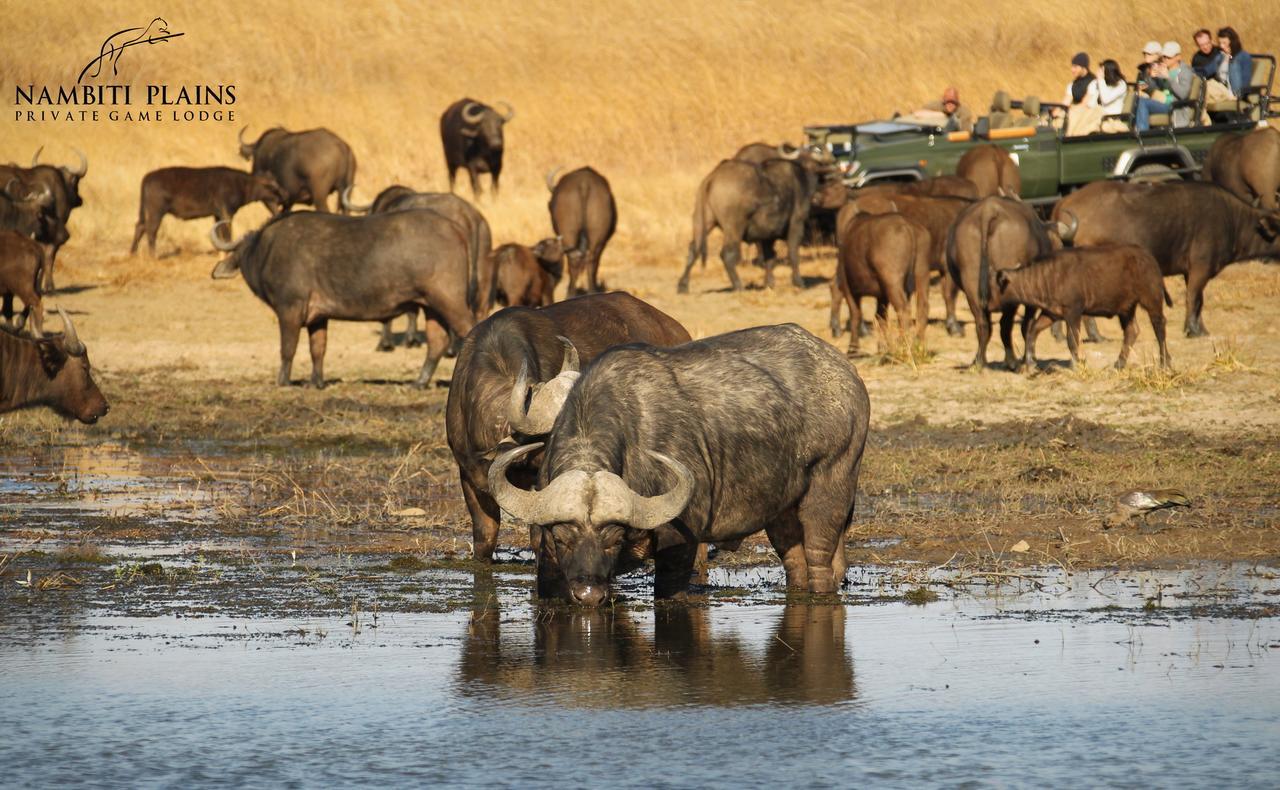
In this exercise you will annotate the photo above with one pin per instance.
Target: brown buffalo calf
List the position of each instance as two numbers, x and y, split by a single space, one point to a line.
193 192
885 256
527 277
1105 281
49 371
21 261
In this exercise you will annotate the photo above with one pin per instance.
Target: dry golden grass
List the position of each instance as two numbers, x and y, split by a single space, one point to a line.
652 94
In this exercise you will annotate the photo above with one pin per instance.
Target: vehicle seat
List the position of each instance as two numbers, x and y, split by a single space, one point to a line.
1001 111
1031 108
1258 95
1125 116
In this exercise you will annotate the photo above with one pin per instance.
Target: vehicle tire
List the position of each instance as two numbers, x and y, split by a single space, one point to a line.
1154 173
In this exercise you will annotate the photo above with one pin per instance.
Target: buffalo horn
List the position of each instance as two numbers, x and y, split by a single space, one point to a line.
472 112
84 164
218 243
1066 231
646 512
345 197
509 114
562 500
786 151
69 338
570 364
35 158
551 177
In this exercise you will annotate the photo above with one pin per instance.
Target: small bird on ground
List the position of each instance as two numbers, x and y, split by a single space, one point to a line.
1143 503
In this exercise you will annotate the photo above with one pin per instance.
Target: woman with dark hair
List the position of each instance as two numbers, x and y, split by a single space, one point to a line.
1112 88
1232 66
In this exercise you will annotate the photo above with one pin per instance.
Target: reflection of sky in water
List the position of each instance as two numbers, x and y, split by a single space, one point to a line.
1032 689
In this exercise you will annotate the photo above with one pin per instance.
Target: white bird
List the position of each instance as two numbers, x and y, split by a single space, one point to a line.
1143 503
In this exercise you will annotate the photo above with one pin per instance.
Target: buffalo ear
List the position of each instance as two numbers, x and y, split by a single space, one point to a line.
1002 279
469 131
52 357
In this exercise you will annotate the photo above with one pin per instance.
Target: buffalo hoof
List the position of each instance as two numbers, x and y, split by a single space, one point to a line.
798 282
384 345
1119 364
317 384
865 329
1096 337
1196 331
954 328
682 287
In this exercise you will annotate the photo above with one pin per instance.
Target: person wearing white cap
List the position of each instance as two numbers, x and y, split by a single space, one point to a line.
1177 78
1150 55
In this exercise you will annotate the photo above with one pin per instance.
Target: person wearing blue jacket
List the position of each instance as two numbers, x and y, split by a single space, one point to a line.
1232 67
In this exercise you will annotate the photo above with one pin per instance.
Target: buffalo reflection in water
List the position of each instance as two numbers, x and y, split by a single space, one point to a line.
607 658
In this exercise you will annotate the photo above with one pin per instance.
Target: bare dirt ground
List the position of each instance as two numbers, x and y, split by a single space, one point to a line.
961 466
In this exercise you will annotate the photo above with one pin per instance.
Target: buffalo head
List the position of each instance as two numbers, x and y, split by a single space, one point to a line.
586 518
482 121
229 266
70 177
266 189
246 149
71 389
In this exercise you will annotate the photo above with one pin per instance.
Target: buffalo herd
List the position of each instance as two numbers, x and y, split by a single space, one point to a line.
598 421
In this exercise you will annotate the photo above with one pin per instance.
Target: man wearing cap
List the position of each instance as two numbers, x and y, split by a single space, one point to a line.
1084 116
1178 78
1148 85
959 119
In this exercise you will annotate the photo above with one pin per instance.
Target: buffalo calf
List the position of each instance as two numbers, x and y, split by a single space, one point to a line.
21 262
1110 280
527 277
885 256
193 192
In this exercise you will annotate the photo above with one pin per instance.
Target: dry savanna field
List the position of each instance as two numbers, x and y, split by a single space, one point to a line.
961 464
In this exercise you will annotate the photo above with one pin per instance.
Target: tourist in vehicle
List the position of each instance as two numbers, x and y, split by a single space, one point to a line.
1170 72
1084 116
1232 68
1150 55
959 118
1112 88
1202 62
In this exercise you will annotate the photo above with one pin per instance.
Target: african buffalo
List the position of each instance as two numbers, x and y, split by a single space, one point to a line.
21 260
490 396
1247 165
1110 280
885 256
311 267
991 170
527 277
49 371
752 203
192 192
307 166
480 277
994 233
936 213
584 217
471 133
717 439
60 188
1193 229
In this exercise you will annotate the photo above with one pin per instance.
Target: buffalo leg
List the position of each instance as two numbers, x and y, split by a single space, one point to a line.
387 341
855 321
954 327
730 254
437 344
1157 326
576 260
475 182
1092 335
794 239
882 323
673 567
1130 328
682 286
289 329
787 538
486 517
1197 279
824 514
1073 338
1007 317
837 300
318 334
412 337
138 231
1030 331
50 253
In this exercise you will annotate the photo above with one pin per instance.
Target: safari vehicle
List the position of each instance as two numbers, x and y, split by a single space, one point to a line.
1051 163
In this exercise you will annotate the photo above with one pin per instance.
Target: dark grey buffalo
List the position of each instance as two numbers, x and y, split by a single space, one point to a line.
752 203
308 165
717 439
513 374
311 268
584 216
1248 166
1193 229
52 371
471 133
60 189
22 208
193 192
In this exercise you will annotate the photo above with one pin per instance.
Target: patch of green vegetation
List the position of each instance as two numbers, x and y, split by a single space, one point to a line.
920 596
407 564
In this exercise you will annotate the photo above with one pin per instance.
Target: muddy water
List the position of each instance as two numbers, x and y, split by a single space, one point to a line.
256 665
